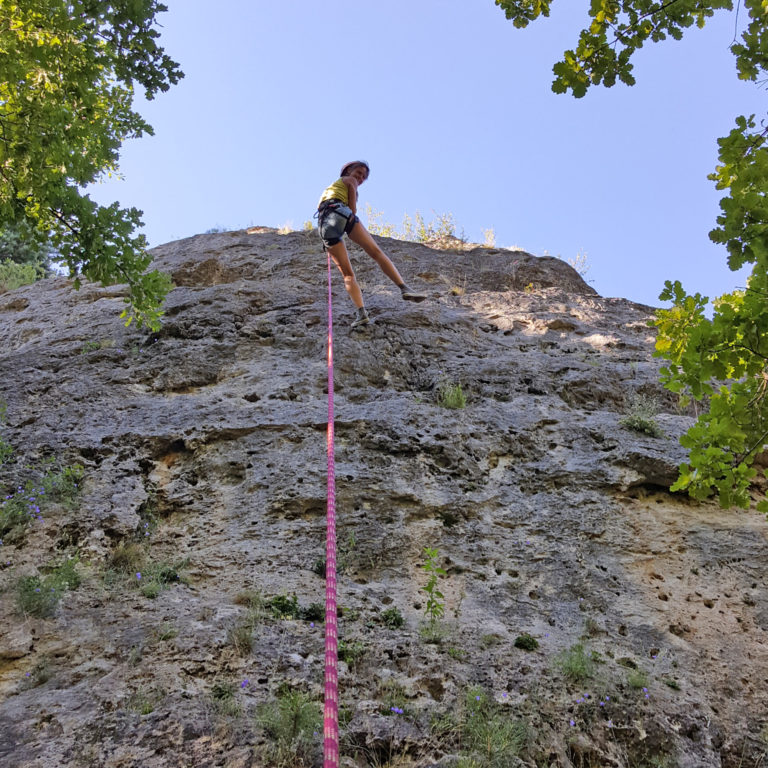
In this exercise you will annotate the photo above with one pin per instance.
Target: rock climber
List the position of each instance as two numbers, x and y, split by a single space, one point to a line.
337 216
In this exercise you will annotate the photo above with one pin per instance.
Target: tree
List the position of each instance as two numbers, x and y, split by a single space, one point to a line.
723 361
19 245
68 70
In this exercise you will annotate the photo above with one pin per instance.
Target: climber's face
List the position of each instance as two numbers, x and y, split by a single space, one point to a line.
359 173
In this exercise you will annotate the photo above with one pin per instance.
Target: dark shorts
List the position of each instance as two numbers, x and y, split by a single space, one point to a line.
334 220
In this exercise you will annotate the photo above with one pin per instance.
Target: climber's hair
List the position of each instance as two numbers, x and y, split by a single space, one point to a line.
349 167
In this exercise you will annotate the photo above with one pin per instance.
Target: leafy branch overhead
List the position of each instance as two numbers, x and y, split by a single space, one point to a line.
68 74
722 361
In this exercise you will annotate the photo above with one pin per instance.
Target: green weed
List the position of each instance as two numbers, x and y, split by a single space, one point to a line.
285 607
641 416
392 618
434 632
352 652
637 678
144 701
157 576
167 632
58 485
526 642
435 607
291 722
39 596
6 449
223 699
41 673
93 346
575 663
393 698
451 396
240 637
490 738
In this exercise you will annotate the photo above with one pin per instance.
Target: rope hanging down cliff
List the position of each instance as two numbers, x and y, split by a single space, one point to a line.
331 707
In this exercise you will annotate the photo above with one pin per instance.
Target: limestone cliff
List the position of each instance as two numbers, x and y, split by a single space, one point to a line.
203 456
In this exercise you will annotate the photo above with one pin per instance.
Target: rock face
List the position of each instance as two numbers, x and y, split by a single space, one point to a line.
203 455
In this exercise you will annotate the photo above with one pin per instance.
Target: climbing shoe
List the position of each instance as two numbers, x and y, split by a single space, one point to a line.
361 318
410 295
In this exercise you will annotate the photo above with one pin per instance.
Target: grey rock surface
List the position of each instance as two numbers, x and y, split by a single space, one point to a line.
203 448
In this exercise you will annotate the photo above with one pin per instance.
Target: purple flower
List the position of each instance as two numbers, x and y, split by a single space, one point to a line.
573 722
138 576
244 684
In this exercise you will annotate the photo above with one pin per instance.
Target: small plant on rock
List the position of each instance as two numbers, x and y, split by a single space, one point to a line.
40 674
6 449
39 596
576 664
223 699
392 618
435 608
637 679
490 738
526 642
641 416
157 576
240 637
451 396
291 722
351 652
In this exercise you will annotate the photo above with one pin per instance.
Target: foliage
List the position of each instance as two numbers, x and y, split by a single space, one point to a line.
392 618
641 416
618 28
490 737
526 642
435 608
6 449
285 607
36 596
157 576
451 396
290 722
13 276
40 674
28 502
722 361
415 229
240 637
351 652
637 678
223 699
143 701
575 663
18 245
68 73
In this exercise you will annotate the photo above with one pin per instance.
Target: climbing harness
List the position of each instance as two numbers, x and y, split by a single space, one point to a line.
331 708
335 219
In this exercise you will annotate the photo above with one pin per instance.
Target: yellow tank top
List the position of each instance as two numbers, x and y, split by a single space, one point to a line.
337 191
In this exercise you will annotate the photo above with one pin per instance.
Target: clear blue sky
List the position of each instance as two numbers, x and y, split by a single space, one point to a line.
452 107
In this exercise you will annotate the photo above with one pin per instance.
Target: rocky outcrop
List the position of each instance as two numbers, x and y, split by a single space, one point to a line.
203 456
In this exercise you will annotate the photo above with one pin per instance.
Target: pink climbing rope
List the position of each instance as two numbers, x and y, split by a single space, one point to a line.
331 709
